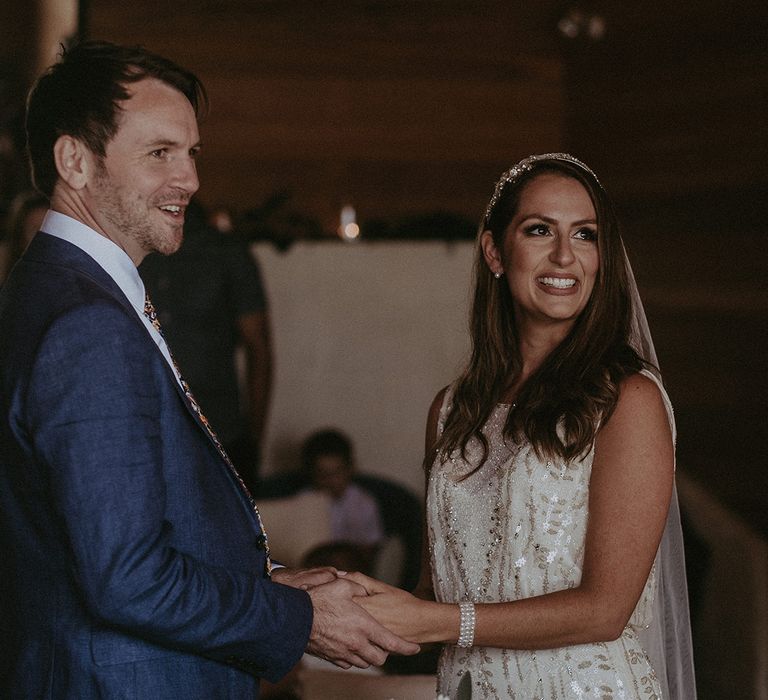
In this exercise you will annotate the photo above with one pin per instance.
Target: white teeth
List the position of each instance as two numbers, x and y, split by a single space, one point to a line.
172 208
559 282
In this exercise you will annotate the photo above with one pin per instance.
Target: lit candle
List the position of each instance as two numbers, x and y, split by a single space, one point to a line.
348 228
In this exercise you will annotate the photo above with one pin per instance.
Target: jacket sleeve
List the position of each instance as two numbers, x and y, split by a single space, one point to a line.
93 416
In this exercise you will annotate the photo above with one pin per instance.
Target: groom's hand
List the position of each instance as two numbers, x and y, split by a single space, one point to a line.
343 633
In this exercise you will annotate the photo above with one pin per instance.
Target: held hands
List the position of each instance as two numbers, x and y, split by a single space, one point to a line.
344 633
404 614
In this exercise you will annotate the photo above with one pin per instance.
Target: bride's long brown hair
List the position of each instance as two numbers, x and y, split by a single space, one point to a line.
560 406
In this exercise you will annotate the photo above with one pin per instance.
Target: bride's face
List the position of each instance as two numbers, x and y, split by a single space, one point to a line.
549 252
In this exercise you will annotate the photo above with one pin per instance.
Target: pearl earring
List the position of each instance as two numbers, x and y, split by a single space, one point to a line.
497 275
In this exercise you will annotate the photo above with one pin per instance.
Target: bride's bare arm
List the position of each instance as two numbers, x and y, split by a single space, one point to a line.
629 493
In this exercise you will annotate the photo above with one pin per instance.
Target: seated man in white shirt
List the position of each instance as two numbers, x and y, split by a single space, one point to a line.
328 462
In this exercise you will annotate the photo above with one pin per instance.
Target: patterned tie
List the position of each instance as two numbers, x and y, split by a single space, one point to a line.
151 314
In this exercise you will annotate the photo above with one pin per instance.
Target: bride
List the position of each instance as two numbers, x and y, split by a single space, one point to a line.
553 566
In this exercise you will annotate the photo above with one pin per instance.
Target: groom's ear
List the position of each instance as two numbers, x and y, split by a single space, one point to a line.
75 163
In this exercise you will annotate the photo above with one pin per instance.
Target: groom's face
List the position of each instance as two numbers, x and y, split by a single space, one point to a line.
140 189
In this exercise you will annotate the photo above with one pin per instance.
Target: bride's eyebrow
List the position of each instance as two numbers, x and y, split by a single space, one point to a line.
541 217
550 220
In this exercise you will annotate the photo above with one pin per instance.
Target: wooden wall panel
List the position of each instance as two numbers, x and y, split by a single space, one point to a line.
17 37
671 110
674 100
366 102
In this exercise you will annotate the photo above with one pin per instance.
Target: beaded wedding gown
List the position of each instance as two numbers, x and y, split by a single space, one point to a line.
516 529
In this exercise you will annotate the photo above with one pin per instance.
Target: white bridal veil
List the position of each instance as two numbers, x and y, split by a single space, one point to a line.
668 638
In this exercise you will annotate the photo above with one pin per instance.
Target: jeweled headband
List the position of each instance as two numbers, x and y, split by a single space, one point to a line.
524 166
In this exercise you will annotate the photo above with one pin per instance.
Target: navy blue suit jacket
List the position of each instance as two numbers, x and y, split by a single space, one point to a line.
131 566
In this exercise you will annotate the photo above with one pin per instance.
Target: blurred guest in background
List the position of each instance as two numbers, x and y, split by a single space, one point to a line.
328 461
24 218
399 509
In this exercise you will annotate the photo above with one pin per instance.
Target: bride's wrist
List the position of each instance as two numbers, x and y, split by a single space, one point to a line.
442 623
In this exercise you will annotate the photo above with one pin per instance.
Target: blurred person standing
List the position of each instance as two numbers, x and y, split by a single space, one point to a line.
23 222
211 304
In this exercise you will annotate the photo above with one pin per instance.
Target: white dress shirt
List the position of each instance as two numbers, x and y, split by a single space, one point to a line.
114 261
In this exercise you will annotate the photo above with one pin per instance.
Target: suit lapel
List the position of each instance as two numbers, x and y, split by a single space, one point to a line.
50 250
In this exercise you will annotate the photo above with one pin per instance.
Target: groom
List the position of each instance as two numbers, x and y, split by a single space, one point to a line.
135 563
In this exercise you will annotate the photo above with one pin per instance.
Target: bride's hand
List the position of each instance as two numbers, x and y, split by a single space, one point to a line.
398 610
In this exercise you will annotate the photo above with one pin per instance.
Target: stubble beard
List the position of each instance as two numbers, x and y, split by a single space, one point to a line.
131 216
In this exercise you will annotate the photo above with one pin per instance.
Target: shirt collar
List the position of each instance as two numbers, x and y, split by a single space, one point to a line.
113 259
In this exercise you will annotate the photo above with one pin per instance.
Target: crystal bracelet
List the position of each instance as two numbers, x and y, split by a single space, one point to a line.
467 625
